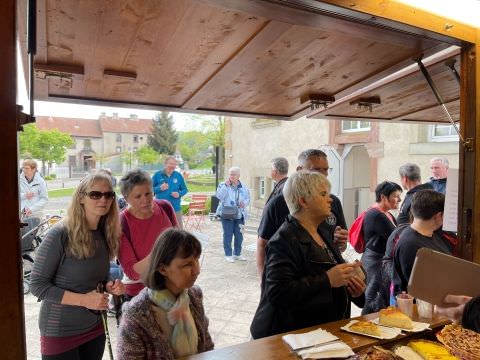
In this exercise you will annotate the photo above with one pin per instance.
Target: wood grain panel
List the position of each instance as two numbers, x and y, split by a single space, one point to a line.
407 95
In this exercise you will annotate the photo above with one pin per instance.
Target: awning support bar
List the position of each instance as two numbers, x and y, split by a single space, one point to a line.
450 63
435 91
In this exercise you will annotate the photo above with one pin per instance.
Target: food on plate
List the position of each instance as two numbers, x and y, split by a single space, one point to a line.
366 327
407 353
392 316
462 342
378 353
430 350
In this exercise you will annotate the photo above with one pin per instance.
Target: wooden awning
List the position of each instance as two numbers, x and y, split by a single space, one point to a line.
238 57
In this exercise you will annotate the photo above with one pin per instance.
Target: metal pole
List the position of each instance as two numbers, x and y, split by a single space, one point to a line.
32 49
435 91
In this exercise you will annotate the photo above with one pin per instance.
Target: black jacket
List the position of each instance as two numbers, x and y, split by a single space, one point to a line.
296 292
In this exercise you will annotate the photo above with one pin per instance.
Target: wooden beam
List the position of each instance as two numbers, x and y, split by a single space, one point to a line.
12 325
376 11
323 16
155 107
262 39
373 119
59 69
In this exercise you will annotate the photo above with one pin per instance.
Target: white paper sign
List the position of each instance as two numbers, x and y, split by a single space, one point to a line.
450 214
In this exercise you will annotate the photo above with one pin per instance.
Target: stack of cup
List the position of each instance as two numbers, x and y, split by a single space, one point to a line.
425 309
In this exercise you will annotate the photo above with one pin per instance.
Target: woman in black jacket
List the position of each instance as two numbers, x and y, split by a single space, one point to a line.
305 281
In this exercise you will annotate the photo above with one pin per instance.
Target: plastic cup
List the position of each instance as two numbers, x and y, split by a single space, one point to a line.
425 309
405 304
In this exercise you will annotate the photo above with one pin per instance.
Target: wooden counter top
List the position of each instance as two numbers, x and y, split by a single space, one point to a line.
273 347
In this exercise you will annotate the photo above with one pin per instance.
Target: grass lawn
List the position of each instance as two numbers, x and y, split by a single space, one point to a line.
60 192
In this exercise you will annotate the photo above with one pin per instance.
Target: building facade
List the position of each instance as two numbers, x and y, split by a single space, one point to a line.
361 153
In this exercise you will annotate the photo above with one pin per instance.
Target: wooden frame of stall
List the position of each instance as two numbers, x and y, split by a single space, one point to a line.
398 16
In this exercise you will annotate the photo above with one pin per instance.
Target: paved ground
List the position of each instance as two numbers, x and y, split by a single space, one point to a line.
231 292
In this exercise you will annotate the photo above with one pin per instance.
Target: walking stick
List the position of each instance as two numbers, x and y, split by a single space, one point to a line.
103 314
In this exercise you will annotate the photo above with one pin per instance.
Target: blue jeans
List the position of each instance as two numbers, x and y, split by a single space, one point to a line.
231 228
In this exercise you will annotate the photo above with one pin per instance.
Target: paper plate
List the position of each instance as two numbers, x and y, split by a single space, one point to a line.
417 326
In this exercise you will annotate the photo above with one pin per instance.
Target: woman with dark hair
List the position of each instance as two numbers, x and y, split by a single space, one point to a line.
70 263
378 224
142 221
166 319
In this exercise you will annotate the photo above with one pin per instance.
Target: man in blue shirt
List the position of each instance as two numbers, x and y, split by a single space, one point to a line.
168 184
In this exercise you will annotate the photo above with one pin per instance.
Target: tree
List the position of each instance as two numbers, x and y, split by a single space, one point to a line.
194 146
164 137
49 146
146 155
214 129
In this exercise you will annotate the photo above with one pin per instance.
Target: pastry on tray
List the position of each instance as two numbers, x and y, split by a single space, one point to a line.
378 353
430 350
462 342
407 353
366 327
392 316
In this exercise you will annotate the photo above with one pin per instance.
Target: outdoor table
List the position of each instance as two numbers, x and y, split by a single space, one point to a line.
273 347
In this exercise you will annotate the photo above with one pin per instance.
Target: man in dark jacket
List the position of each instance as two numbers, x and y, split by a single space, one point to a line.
276 211
411 180
439 168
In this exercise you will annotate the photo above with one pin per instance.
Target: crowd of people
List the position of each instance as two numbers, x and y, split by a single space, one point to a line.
305 280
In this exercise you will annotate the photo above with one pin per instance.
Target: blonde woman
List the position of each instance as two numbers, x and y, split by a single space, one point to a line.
70 263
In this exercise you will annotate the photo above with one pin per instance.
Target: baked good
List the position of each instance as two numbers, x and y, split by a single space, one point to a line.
378 353
407 353
392 316
430 350
366 327
461 342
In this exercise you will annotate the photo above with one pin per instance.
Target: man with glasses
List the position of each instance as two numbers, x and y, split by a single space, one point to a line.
276 211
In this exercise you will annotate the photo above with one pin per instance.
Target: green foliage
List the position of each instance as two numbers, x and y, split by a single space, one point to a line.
50 177
49 146
146 155
194 146
164 137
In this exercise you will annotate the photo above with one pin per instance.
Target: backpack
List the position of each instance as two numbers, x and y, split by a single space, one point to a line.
355 233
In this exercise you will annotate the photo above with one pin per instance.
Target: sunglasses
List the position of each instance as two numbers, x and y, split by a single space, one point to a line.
97 195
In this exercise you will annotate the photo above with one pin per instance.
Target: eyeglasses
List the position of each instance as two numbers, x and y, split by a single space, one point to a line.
97 195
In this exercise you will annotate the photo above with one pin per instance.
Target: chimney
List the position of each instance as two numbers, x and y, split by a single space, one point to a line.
133 117
115 116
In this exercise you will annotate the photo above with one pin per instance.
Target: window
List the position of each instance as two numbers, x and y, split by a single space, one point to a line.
444 132
87 144
355 126
135 138
119 138
261 188
118 149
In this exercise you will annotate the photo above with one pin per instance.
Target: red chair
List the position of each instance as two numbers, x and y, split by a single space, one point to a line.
196 212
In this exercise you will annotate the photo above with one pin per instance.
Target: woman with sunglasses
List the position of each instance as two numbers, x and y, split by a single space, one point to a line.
167 320
142 221
305 281
70 263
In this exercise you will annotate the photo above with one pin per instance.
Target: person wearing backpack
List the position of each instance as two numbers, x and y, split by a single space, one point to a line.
378 224
142 222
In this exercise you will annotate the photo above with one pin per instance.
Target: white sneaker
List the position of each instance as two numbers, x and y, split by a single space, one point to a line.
229 259
240 257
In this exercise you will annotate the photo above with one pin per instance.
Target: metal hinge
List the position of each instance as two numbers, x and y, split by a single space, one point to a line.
23 119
